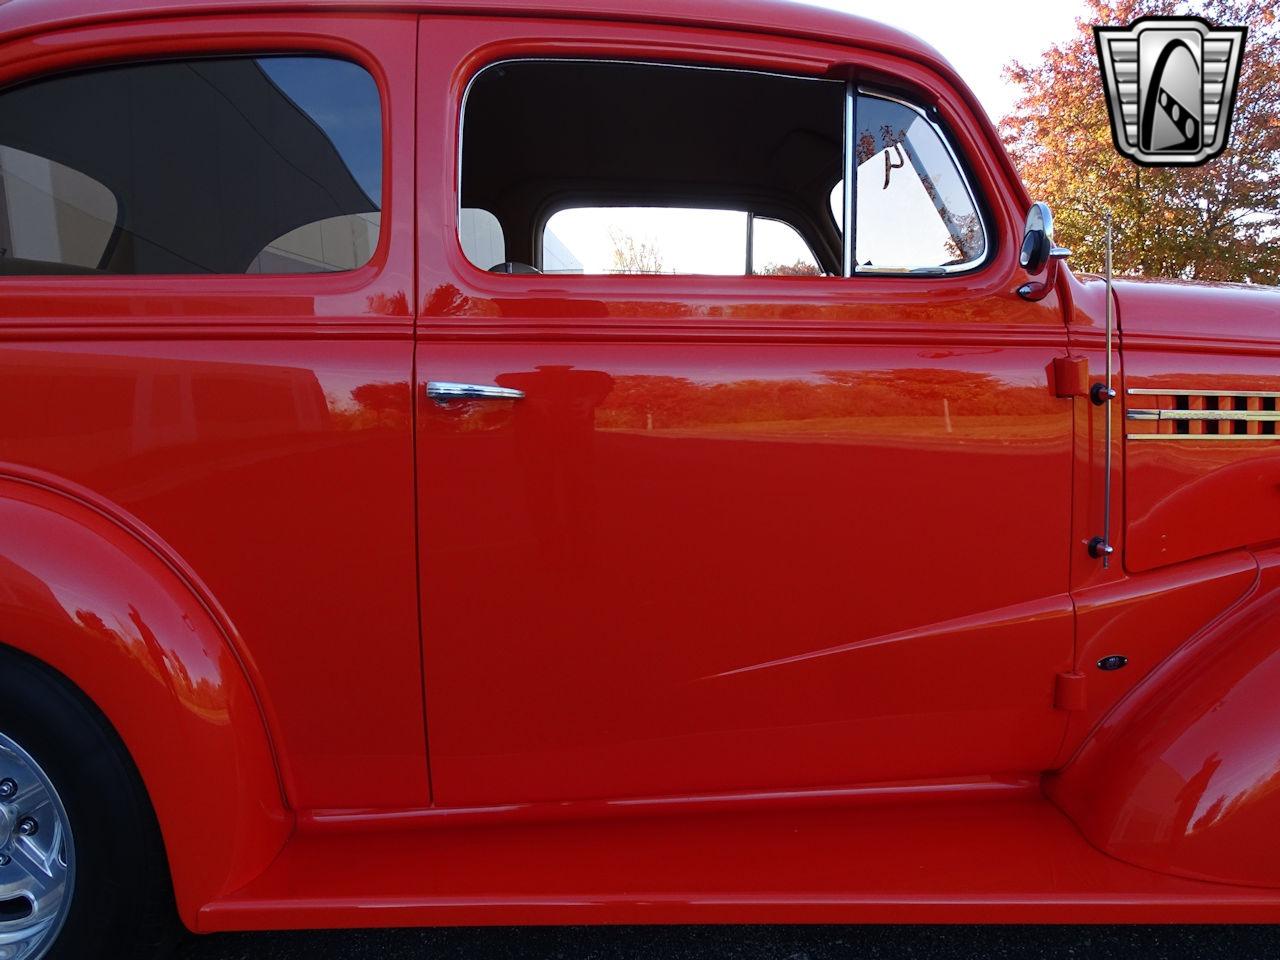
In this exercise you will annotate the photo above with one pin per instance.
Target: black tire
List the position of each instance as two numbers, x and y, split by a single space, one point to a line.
122 899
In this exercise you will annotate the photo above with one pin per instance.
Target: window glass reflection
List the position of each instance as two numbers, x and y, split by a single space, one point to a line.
213 166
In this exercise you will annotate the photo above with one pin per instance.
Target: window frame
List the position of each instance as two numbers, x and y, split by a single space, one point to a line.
380 293
91 66
571 199
853 93
752 217
853 90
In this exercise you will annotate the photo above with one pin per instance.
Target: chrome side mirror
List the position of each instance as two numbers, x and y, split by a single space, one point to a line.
1039 250
1038 247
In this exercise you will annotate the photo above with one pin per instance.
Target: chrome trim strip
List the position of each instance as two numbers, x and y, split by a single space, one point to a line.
849 233
1110 405
643 62
442 392
1227 415
1211 437
1175 392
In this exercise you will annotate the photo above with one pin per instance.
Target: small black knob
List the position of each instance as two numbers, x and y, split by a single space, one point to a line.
1113 662
1100 393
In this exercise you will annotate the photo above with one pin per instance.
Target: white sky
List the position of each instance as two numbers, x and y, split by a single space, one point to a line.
977 39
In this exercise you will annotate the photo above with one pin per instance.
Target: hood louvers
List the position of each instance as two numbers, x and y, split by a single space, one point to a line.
1170 414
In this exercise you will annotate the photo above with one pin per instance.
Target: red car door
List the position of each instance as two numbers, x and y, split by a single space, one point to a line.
699 534
208 254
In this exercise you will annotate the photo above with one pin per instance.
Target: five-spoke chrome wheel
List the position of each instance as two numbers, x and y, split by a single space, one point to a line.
37 856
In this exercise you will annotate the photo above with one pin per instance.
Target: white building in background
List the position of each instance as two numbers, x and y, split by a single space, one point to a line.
556 257
338 243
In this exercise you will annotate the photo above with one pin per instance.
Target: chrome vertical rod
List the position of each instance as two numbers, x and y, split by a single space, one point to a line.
1111 394
850 173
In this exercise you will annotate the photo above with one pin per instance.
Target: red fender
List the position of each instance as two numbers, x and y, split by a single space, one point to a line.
1184 776
87 595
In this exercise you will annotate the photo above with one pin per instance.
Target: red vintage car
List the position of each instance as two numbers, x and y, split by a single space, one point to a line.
457 467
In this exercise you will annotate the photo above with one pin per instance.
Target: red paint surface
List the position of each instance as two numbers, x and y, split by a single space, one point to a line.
1188 499
1182 778
1005 857
92 596
261 429
629 649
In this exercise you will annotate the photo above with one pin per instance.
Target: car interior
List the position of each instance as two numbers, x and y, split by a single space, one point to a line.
541 136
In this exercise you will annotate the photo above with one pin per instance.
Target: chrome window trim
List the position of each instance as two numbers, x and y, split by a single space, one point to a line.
849 229
983 219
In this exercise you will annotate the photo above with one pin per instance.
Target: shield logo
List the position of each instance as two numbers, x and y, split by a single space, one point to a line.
1170 84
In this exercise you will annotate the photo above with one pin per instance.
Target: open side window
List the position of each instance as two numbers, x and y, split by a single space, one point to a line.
609 167
600 167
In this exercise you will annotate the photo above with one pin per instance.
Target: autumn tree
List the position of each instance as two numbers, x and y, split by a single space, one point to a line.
634 256
799 268
1219 221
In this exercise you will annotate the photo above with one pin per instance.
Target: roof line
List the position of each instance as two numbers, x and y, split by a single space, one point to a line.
898 43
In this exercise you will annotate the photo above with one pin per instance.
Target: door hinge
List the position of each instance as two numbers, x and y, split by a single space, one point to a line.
1070 377
1069 692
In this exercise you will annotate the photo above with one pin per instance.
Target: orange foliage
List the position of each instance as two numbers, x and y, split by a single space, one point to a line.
1220 221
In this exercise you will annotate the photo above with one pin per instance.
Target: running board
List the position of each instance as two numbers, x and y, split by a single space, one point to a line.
1003 858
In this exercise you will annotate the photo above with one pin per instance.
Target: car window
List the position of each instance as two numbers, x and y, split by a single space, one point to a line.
225 165
778 250
673 240
337 243
52 213
482 238
650 169
648 240
663 169
914 209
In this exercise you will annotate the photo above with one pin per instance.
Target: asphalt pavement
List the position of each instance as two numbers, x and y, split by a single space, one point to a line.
753 943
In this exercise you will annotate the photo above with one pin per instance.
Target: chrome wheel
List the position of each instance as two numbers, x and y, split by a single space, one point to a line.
37 858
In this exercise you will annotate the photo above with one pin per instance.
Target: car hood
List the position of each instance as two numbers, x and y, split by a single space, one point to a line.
1198 310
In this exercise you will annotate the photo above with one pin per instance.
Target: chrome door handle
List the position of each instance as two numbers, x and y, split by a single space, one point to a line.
442 392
